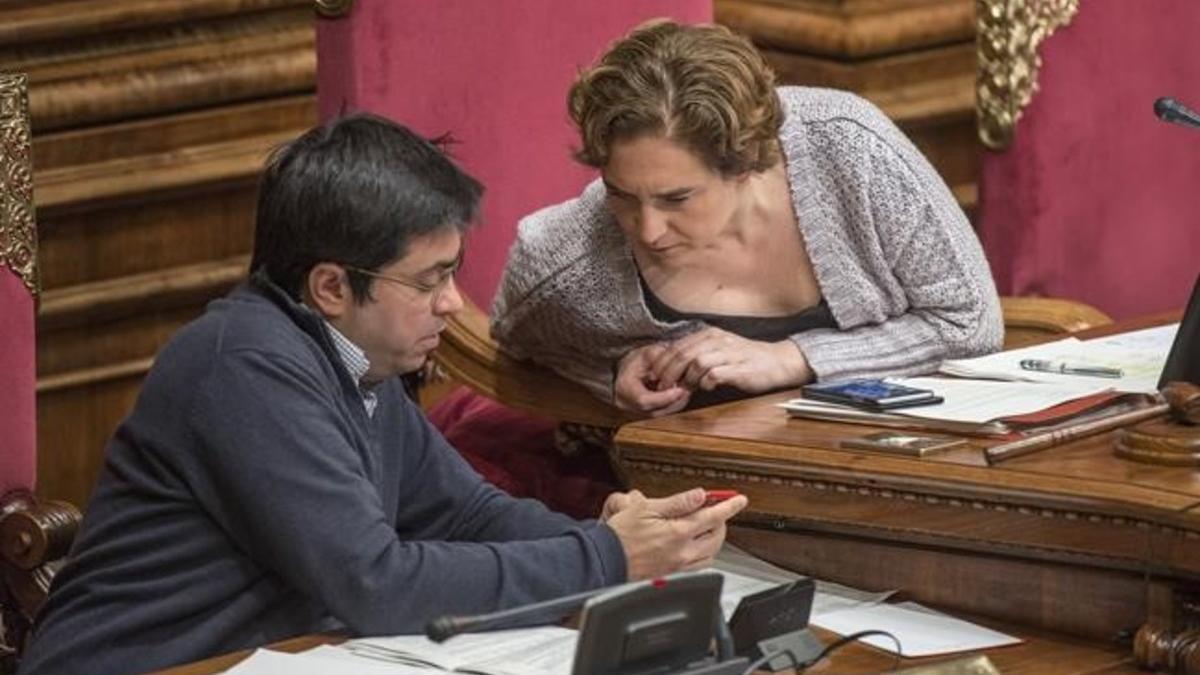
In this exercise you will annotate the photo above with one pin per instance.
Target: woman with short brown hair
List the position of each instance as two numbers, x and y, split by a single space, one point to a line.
742 237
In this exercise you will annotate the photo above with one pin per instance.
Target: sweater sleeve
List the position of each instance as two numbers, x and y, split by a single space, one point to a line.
283 476
913 228
443 498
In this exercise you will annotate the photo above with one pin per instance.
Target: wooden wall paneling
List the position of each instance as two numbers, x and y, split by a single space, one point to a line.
123 240
80 79
75 420
129 296
915 59
849 29
28 21
165 134
151 121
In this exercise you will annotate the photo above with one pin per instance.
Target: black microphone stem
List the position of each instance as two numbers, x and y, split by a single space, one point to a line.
446 627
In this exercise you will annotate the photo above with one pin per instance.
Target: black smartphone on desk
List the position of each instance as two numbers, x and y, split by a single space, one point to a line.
874 395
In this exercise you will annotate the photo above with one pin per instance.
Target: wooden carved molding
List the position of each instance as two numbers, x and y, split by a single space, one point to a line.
34 537
870 489
333 9
1009 33
18 236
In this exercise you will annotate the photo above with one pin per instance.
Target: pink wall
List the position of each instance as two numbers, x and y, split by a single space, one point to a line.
495 74
1096 199
18 447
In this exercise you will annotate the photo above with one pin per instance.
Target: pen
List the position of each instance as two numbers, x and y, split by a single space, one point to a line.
1012 449
1044 366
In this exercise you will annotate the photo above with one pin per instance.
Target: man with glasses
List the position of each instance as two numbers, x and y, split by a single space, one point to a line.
274 480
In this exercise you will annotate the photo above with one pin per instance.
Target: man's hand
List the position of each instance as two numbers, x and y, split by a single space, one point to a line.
713 357
661 536
636 389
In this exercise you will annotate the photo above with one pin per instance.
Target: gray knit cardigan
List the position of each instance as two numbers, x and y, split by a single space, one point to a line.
895 258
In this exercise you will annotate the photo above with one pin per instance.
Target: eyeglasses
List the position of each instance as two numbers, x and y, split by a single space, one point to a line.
431 289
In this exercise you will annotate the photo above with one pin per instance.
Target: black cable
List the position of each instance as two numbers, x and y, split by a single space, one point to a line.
832 647
723 636
853 637
771 656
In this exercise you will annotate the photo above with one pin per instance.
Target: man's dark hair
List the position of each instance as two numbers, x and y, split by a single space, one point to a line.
354 192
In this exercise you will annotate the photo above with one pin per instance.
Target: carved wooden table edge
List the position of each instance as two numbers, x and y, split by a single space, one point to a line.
668 448
663 467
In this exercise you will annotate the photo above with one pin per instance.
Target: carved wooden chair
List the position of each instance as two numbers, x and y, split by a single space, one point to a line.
469 355
33 534
1028 320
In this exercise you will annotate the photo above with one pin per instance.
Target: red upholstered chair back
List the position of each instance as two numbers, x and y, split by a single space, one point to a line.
1096 199
495 75
18 449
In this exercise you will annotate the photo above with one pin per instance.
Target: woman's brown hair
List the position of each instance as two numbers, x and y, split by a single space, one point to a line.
703 86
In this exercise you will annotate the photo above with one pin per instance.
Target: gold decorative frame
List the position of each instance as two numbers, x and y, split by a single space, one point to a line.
333 9
1008 35
18 235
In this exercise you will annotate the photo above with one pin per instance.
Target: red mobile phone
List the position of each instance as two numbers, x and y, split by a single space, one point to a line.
714 496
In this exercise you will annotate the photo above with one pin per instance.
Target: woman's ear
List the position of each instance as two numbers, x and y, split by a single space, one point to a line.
327 290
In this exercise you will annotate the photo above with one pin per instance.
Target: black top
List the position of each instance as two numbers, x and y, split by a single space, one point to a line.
760 328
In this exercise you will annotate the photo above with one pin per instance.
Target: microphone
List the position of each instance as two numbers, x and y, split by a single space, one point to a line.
1169 110
665 624
445 627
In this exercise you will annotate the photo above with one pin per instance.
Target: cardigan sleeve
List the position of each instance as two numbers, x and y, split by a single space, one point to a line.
907 241
530 326
556 305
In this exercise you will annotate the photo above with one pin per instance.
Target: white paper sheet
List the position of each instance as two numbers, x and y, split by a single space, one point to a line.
267 662
1139 354
1155 340
746 575
545 650
920 630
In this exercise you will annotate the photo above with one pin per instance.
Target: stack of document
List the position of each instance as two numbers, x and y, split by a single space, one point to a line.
1139 356
995 395
975 407
545 650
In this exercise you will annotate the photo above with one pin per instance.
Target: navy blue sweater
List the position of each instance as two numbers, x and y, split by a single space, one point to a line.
249 498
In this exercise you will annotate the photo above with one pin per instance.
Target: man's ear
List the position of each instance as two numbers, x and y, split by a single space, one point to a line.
327 290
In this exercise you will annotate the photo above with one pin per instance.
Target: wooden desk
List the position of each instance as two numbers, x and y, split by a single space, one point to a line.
1041 654
1071 548
1070 539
